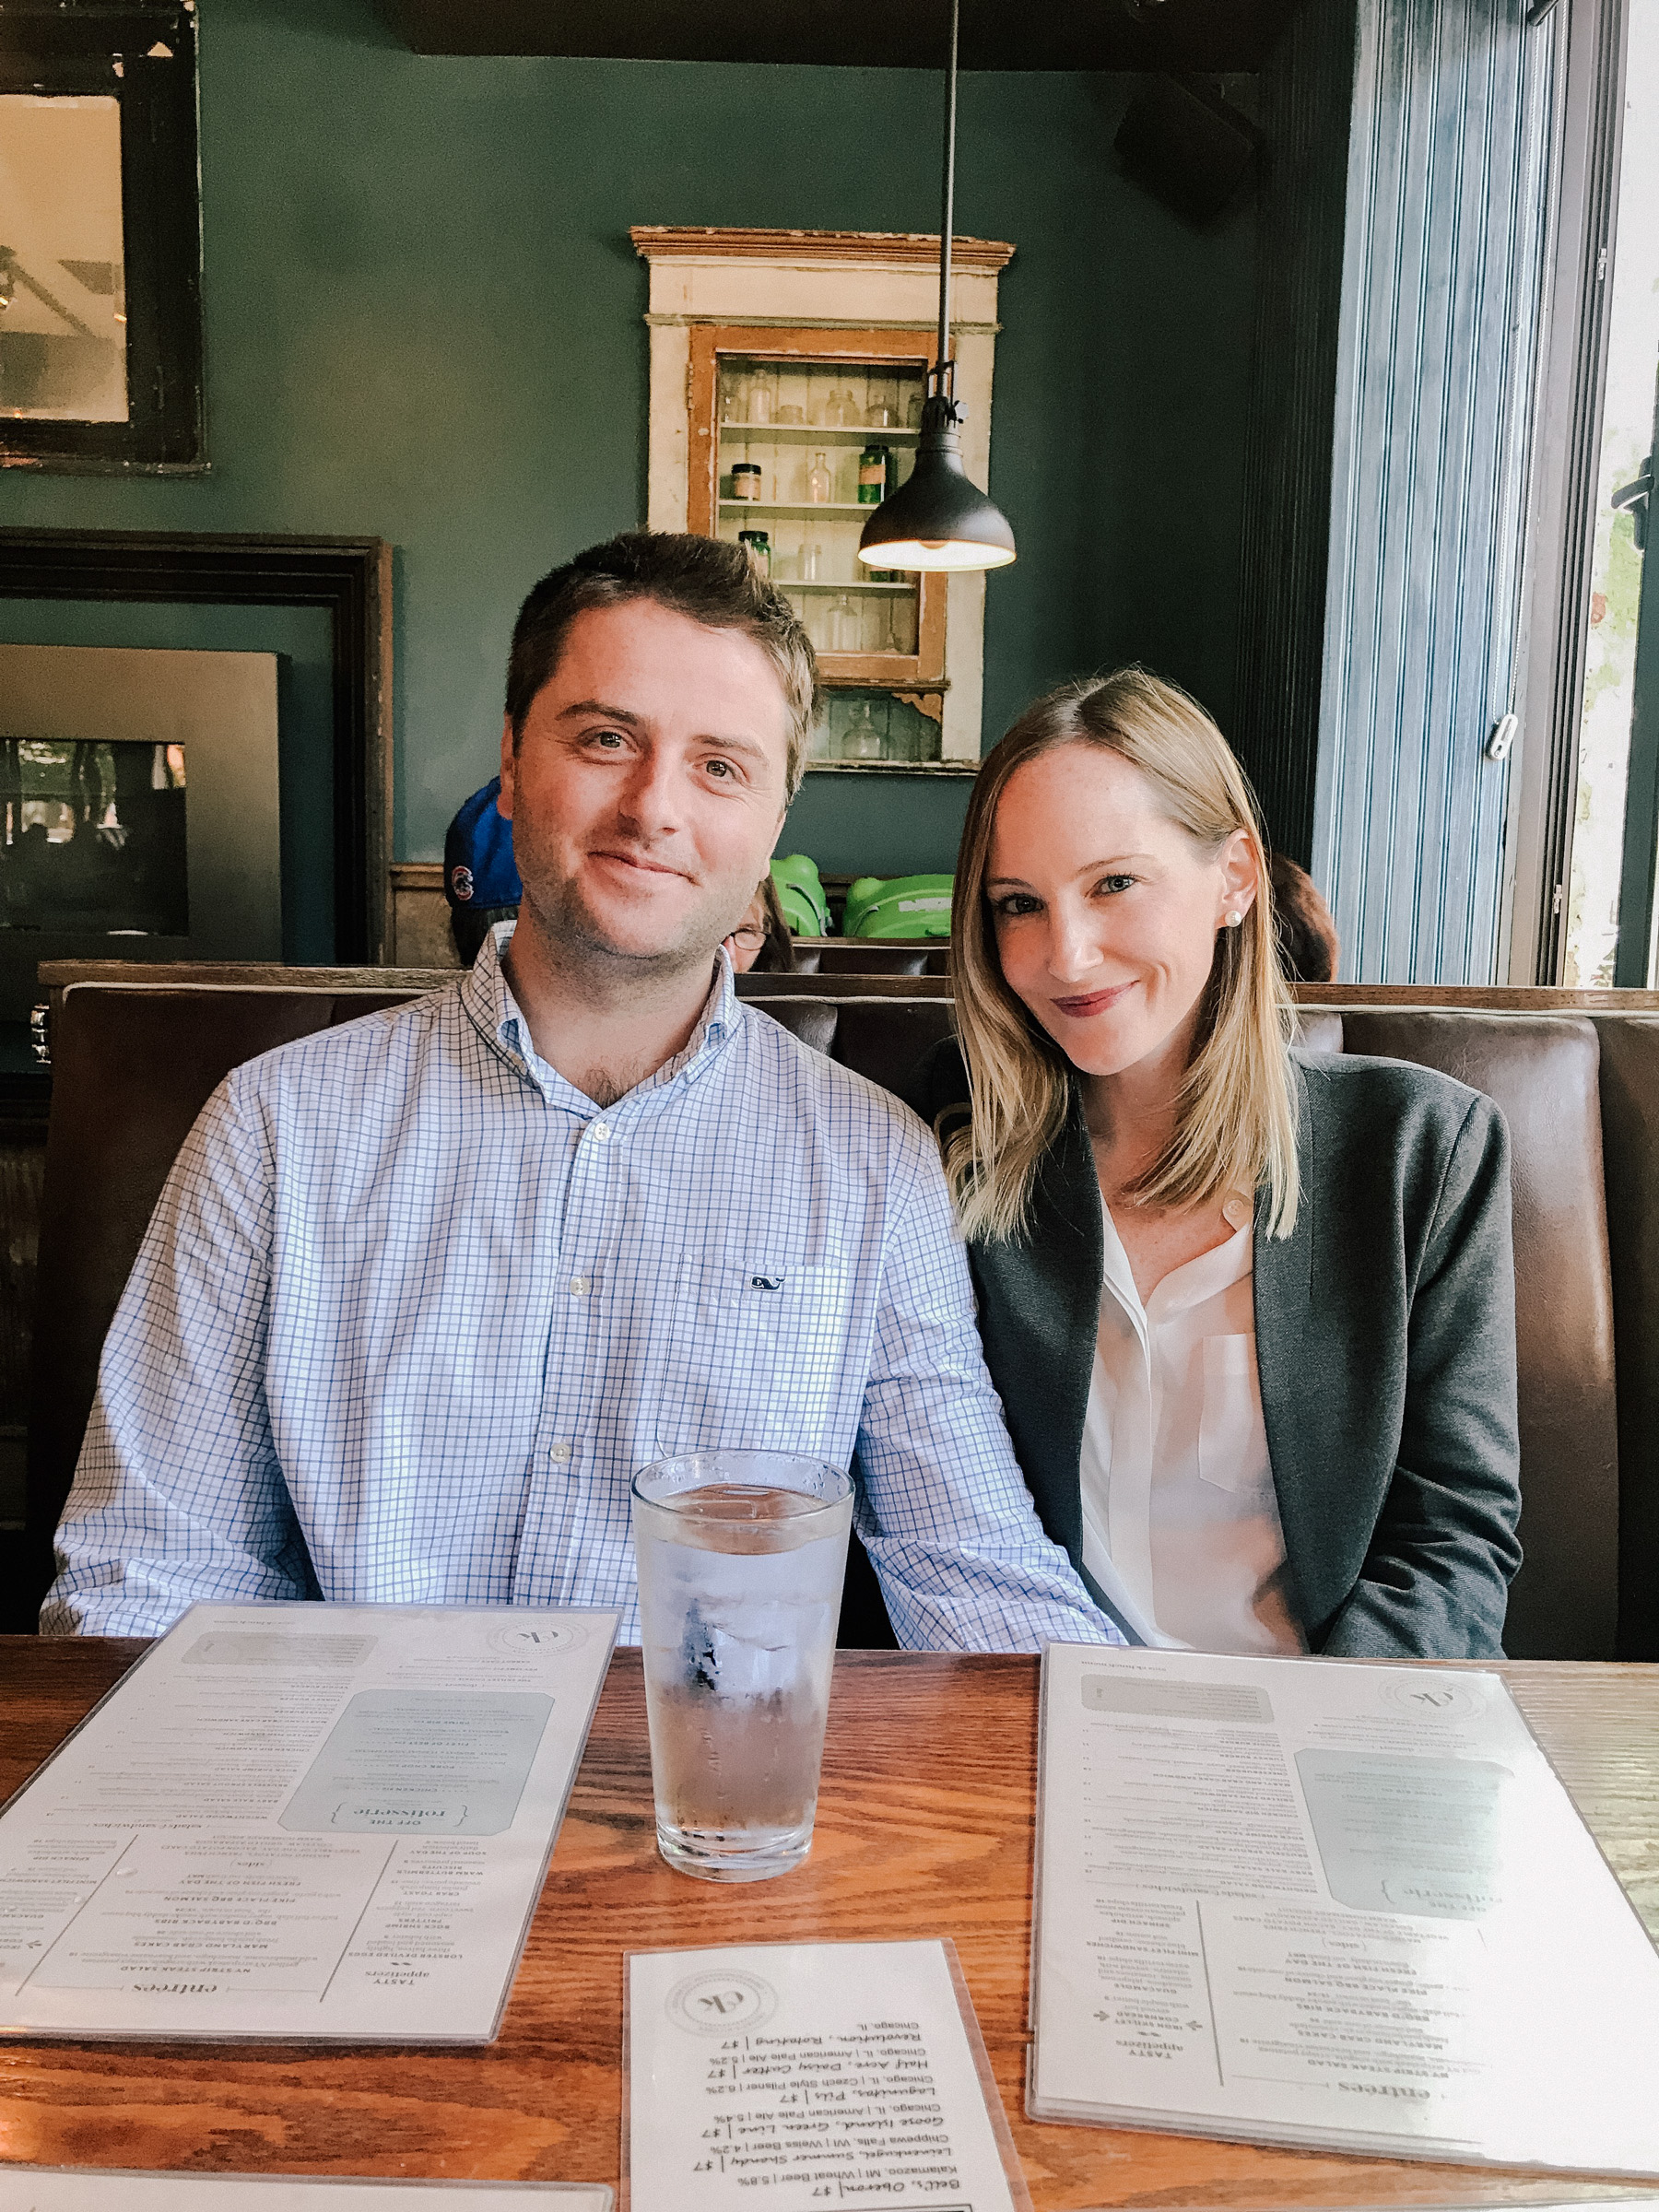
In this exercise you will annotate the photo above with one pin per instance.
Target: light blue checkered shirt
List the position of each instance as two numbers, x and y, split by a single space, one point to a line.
412 1309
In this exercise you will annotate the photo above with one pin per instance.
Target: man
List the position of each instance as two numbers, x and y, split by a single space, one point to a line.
422 1292
480 878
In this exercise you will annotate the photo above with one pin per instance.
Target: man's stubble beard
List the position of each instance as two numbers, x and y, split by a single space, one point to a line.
574 934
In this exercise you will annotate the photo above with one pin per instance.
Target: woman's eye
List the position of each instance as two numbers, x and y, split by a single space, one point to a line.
1115 883
1015 903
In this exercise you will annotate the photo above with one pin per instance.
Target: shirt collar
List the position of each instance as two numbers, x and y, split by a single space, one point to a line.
495 1013
1183 1287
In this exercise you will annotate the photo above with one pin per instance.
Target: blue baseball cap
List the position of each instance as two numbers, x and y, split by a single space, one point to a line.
479 868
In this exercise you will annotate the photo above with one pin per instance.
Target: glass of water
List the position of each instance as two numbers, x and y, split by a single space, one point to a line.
741 1557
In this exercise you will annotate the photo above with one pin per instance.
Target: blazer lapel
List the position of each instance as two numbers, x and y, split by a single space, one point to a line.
1290 1333
1040 1313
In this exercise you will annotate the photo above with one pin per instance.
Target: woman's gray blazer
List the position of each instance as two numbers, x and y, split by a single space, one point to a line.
1386 1345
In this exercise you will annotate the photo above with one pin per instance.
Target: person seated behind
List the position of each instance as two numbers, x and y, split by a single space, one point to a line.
761 941
421 1293
480 875
1250 1315
1309 949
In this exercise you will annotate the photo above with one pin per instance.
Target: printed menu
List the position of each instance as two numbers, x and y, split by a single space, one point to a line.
811 2076
298 1820
99 2189
1328 1904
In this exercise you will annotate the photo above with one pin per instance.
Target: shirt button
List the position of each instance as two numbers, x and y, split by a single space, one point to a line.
1236 1212
600 1132
561 1451
578 1284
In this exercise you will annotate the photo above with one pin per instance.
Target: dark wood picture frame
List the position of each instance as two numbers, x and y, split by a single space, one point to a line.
351 577
143 53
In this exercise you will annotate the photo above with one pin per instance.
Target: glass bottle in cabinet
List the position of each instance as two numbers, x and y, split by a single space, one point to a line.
819 483
861 740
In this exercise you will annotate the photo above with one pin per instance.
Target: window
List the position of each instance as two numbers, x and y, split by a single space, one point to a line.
1609 919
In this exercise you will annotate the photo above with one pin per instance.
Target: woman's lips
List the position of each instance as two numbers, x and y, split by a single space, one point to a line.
1096 1002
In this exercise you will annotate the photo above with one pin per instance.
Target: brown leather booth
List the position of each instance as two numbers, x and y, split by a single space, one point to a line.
137 1054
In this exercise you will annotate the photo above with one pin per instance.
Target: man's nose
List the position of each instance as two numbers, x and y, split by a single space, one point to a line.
652 799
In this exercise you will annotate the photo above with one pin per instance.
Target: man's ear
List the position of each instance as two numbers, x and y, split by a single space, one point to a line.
509 762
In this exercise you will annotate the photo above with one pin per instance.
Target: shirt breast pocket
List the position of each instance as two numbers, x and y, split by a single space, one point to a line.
754 1351
1233 1444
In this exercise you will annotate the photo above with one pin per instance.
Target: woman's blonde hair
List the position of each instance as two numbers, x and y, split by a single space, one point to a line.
1236 1125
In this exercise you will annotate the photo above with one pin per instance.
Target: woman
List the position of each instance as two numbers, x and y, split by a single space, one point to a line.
1309 951
761 940
1251 1312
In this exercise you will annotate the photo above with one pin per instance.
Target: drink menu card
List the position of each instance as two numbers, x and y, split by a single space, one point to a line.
98 2189
298 1820
1324 1903
811 2076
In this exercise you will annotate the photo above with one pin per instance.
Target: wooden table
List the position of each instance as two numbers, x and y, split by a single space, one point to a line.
924 1829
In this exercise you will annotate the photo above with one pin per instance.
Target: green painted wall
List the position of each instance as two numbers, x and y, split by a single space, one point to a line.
424 322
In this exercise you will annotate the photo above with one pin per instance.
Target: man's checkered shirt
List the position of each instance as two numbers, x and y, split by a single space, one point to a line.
413 1310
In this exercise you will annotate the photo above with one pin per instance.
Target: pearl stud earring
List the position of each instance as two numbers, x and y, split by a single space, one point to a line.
1233 918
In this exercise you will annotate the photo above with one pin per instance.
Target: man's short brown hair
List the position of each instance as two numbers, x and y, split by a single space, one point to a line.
703 578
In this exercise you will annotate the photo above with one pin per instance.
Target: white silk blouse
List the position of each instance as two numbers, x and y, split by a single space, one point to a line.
1181 1523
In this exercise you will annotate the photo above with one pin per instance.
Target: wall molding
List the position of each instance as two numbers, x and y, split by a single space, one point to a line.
889 249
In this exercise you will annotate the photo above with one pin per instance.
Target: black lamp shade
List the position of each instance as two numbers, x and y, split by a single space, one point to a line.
937 518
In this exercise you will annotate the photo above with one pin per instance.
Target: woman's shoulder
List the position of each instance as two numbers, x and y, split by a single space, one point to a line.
1373 1098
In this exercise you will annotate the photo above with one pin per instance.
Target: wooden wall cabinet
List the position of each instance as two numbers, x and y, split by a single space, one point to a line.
787 374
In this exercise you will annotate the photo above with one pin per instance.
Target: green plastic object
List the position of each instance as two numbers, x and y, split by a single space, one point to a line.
901 906
801 895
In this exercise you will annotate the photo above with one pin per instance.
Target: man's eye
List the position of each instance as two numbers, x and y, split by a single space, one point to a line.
723 769
611 739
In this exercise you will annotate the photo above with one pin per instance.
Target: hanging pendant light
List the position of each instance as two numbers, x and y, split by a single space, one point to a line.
939 518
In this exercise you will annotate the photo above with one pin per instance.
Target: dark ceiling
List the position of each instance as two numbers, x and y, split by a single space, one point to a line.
903 34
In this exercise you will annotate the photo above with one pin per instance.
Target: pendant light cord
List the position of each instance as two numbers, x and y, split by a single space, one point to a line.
944 370
937 519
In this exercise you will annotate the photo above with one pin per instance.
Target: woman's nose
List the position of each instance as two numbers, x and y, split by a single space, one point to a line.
1072 949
